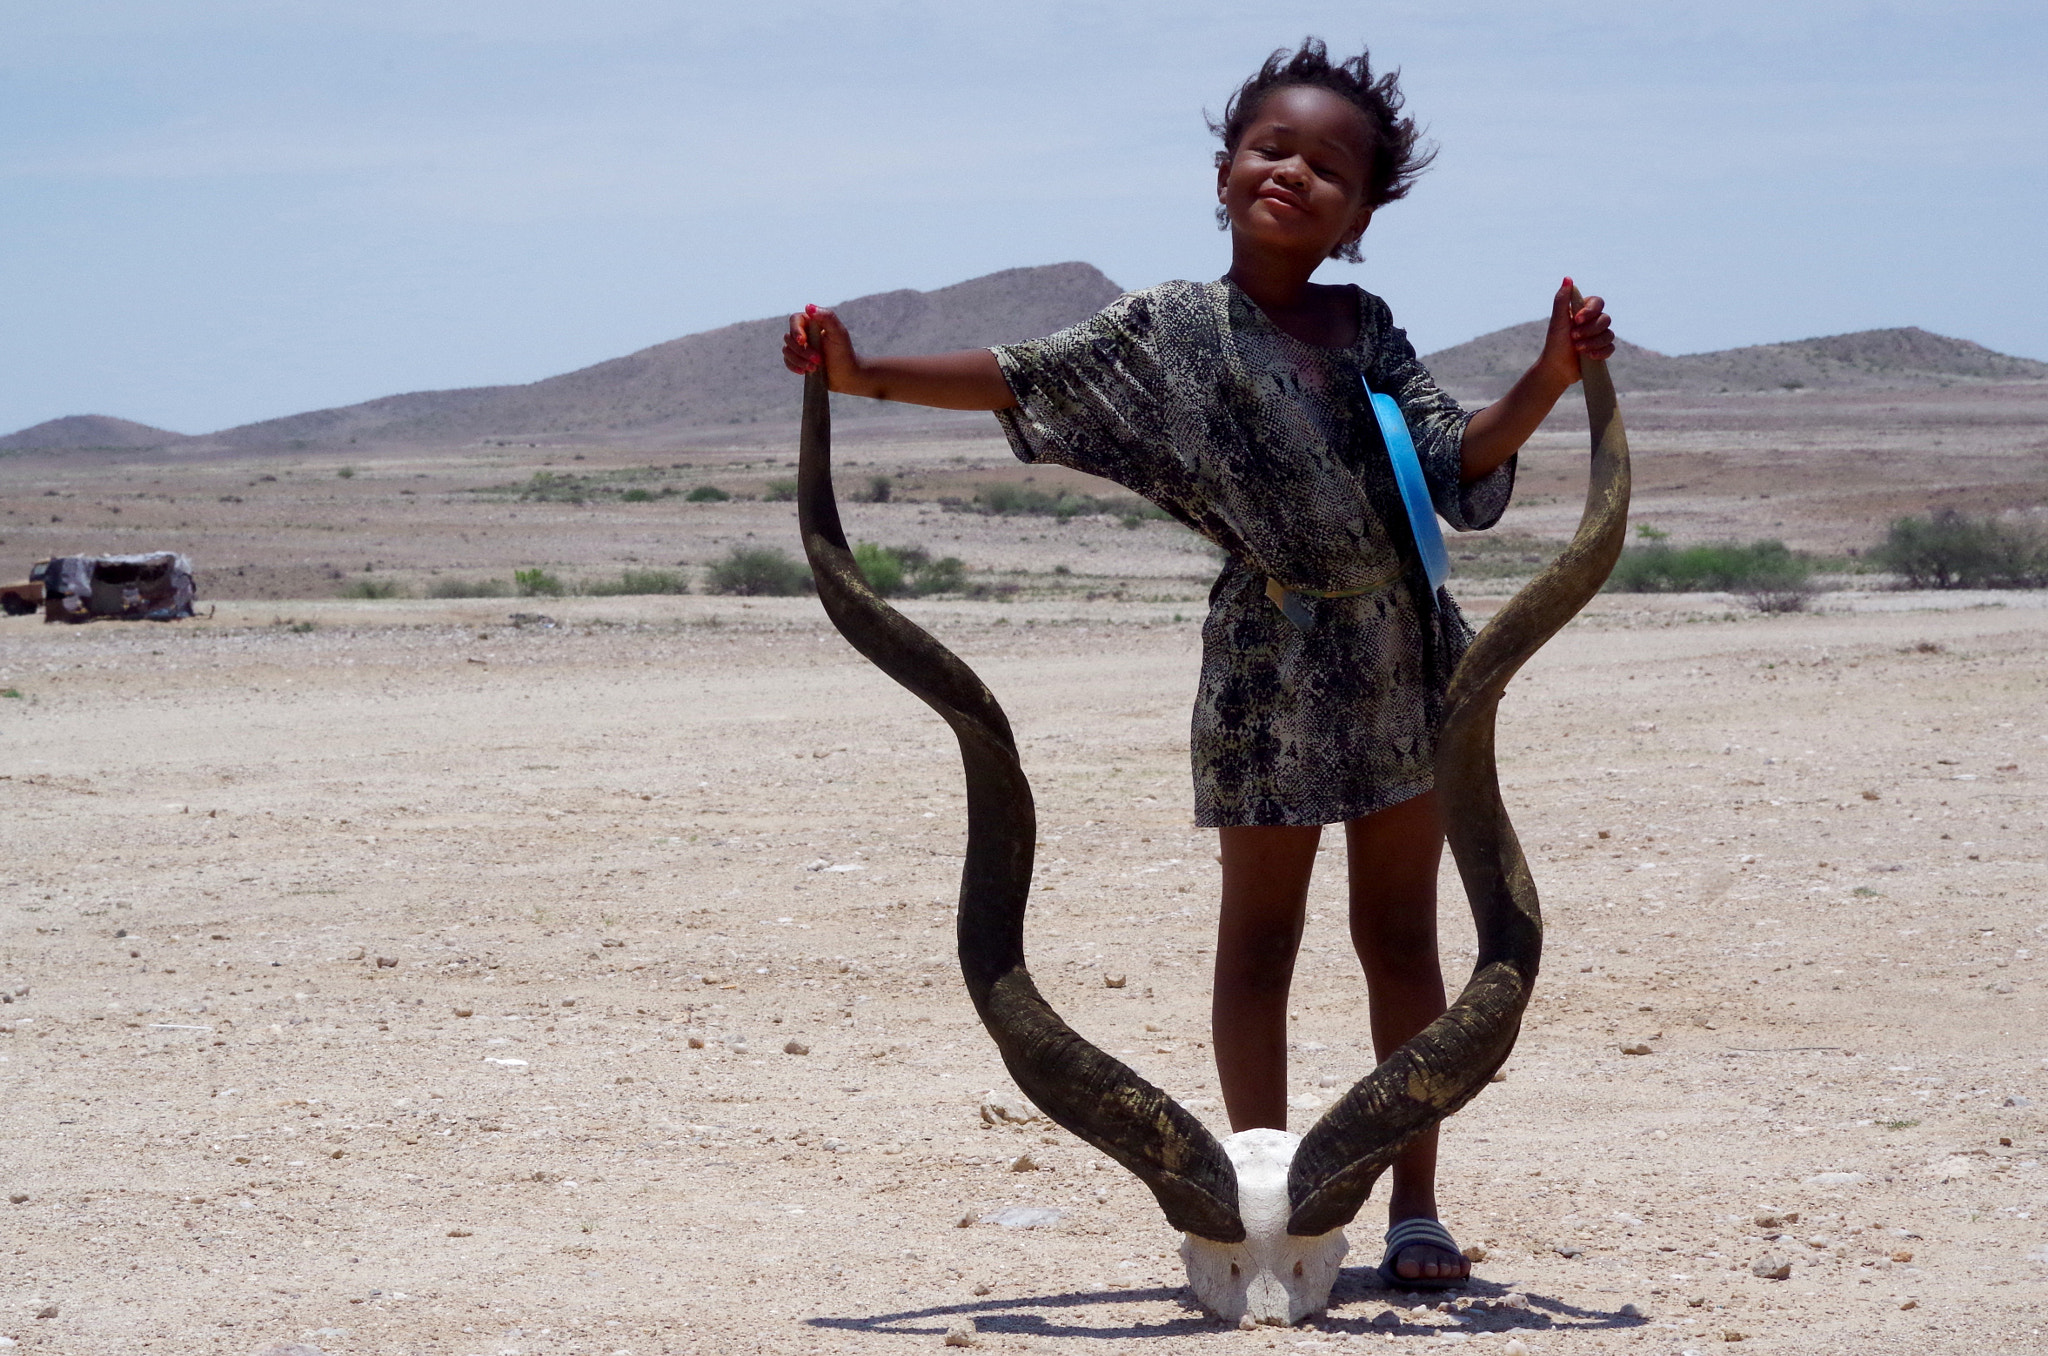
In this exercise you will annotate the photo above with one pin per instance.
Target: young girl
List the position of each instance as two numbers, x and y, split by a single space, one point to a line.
1240 408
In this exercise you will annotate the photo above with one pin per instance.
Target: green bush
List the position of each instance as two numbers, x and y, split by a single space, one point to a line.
707 494
757 571
347 473
373 588
877 491
779 491
537 583
637 496
469 588
896 570
880 566
1953 551
1728 567
640 582
945 575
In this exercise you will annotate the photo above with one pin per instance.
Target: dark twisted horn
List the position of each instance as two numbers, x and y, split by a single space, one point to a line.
1446 1064
1095 1096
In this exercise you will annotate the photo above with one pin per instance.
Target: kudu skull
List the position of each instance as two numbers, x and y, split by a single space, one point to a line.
1263 1212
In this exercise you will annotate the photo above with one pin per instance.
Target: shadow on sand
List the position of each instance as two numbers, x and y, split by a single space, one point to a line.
1354 1284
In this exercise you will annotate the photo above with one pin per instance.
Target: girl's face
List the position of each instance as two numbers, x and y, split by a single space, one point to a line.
1297 182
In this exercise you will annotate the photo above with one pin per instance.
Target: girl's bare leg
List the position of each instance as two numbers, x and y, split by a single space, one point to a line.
1265 892
1393 858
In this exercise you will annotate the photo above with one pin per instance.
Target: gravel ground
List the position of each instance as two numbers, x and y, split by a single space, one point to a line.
385 977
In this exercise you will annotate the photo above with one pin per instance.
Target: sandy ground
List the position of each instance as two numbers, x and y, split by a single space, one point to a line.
386 977
1818 901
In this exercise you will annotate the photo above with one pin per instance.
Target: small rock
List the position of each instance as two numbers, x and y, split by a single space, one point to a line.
465 1012
983 1288
1112 981
1769 1221
795 1047
696 1042
1629 1311
1475 1253
1386 1318
1637 1049
966 1221
1024 1163
1902 1256
1567 1249
18 1198
458 1233
1771 1267
337 1153
1730 1335
999 1109
1833 1179
387 962
1909 1304
47 1311
960 1333
1515 1346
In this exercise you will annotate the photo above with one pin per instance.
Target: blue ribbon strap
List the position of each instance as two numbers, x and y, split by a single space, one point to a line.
1429 538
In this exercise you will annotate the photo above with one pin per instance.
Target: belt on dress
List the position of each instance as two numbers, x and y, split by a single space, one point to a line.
1289 599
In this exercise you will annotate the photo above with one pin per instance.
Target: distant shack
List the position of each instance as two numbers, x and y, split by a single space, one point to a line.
153 587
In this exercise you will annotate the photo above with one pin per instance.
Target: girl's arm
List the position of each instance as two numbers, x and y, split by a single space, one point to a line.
967 380
1498 431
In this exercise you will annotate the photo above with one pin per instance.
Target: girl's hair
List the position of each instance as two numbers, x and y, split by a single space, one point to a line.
1398 158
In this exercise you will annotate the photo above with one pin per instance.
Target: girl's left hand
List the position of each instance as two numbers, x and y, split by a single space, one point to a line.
1584 333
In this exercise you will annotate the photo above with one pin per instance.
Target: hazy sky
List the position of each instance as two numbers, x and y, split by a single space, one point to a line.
217 211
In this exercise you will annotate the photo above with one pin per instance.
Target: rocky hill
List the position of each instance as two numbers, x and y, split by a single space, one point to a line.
730 376
725 376
90 432
1482 368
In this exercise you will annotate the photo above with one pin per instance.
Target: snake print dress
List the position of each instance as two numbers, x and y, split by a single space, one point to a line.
1188 395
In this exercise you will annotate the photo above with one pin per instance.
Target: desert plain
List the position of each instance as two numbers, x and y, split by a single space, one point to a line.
386 975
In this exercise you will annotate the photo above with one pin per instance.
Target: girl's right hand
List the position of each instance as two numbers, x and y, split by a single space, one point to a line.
817 338
967 380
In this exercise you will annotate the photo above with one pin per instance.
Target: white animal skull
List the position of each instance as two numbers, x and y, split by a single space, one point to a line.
1272 1276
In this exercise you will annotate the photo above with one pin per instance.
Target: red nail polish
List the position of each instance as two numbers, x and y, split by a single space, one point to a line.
810 310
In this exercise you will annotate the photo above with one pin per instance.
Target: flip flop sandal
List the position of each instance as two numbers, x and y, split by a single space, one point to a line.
1407 1234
